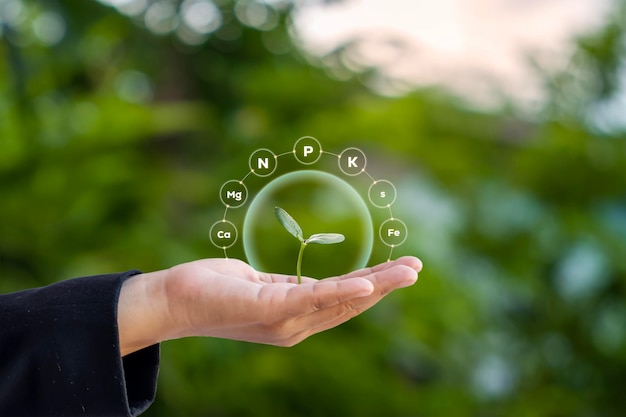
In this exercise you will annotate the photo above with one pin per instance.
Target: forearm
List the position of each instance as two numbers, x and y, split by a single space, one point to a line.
60 352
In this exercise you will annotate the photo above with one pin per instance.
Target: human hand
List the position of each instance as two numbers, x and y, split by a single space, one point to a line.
229 299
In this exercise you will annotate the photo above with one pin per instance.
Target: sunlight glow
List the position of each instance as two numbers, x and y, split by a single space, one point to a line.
473 47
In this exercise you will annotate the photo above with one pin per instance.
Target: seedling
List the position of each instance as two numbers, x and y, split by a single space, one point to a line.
294 228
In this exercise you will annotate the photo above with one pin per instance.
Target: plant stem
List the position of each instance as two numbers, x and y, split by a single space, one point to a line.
299 266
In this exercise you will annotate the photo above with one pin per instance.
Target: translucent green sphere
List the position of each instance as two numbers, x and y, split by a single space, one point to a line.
320 203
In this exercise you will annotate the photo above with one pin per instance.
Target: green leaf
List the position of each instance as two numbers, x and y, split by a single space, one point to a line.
325 238
289 223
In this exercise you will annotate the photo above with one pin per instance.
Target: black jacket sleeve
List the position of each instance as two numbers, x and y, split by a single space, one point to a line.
60 354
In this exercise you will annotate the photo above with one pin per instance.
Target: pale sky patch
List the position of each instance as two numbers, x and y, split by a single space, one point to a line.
479 49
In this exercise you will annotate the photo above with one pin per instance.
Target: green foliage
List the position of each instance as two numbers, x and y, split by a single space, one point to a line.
114 142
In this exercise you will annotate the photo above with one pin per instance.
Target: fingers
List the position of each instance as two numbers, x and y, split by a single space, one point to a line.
410 261
388 276
396 276
383 282
320 295
335 303
315 306
317 302
362 289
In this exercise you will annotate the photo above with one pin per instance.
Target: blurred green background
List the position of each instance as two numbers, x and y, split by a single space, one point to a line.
118 126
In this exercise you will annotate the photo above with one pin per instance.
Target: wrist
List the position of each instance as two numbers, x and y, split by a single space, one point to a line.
143 312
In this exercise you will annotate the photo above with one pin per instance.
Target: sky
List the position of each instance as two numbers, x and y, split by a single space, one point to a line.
479 49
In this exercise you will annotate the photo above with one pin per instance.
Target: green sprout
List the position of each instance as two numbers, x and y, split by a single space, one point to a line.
294 228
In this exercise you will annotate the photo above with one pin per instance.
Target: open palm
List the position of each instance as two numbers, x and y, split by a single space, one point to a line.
228 298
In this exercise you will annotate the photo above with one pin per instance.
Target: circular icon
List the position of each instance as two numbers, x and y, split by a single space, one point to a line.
307 150
393 232
233 193
352 161
382 193
223 234
263 162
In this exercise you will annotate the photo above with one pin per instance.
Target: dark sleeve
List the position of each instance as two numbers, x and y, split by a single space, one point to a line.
60 354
